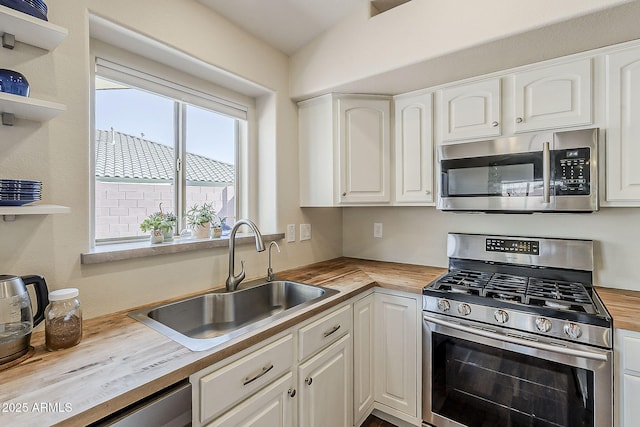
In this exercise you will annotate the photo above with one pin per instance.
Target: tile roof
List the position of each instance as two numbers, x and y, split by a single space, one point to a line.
122 157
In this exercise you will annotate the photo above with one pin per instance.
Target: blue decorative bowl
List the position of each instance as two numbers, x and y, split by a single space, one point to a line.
13 82
36 8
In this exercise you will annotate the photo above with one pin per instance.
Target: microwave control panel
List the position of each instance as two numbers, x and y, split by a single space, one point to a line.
572 174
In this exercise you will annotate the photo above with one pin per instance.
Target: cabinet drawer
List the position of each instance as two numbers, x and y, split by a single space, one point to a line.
324 331
631 354
234 382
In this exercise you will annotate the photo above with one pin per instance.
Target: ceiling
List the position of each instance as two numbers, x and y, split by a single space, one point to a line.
286 25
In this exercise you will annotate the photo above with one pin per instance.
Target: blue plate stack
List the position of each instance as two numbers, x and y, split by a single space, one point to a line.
36 8
18 192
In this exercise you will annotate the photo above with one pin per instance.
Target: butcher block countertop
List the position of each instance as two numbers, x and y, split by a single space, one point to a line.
119 360
623 306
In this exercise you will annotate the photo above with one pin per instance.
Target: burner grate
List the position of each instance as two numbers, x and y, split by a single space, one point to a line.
506 287
540 292
559 294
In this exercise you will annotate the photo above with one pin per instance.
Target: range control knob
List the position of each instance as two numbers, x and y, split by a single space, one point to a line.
543 324
501 316
443 305
464 309
572 330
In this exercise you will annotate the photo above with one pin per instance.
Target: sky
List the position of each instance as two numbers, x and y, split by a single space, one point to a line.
136 112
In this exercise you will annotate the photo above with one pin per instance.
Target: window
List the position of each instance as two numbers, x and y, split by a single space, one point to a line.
159 145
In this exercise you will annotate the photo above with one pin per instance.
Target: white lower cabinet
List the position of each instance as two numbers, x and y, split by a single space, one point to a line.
363 358
325 387
332 370
396 349
300 377
627 378
272 406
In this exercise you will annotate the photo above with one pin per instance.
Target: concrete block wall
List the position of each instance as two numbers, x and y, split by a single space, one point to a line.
121 207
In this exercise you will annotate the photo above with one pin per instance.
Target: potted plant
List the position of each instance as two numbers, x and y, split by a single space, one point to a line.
217 226
200 219
161 226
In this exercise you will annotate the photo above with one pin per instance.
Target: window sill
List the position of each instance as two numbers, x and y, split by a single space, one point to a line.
123 251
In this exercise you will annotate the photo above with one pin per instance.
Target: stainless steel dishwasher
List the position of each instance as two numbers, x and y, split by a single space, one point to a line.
170 407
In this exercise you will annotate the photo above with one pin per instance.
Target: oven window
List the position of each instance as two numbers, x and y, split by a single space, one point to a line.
478 385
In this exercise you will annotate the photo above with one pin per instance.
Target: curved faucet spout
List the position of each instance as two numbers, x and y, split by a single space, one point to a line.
232 280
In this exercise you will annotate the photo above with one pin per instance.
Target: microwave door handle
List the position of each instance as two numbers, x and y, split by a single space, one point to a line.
546 173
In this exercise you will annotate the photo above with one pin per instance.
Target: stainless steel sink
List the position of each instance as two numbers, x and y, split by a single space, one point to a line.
204 321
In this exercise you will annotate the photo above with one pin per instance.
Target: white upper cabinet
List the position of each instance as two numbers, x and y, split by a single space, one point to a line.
344 150
623 127
365 150
471 111
414 149
553 97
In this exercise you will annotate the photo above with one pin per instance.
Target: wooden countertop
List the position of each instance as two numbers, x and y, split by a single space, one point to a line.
120 360
623 306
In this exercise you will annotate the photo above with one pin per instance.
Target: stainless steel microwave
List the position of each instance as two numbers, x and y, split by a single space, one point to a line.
542 172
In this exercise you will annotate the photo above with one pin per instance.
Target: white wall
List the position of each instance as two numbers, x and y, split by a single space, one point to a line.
418 235
57 153
425 43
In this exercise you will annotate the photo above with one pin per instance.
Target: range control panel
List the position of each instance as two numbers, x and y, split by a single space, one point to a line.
527 247
572 172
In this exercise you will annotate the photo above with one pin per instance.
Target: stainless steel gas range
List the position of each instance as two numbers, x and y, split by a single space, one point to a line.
514 335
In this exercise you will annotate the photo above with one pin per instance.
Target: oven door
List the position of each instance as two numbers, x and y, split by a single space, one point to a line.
480 377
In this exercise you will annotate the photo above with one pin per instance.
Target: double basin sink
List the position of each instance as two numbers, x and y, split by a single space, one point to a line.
205 321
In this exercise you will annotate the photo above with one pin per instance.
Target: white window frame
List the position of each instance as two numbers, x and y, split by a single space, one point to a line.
148 75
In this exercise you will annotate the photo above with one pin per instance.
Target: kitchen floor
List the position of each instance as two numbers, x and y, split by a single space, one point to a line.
373 421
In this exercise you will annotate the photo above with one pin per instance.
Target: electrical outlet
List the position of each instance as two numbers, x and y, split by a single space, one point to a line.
291 232
377 230
305 232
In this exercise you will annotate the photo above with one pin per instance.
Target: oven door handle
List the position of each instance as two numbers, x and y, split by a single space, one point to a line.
603 356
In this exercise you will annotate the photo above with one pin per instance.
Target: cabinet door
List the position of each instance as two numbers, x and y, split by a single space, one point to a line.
623 126
471 111
553 97
414 150
316 150
631 409
272 406
325 387
364 137
363 355
396 352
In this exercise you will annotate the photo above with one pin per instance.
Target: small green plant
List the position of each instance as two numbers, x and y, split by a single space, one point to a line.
159 221
198 215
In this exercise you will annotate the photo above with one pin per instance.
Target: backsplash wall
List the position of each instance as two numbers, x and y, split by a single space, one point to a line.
418 235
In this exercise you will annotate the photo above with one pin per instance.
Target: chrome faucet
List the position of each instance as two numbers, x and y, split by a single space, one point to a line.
270 275
233 281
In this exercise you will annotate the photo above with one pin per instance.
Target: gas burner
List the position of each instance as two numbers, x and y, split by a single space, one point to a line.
557 305
506 297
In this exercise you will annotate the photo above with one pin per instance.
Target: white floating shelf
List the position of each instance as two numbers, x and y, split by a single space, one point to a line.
31 30
10 212
30 108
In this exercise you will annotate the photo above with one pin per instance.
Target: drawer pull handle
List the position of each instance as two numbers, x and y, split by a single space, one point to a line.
331 331
308 380
292 392
263 371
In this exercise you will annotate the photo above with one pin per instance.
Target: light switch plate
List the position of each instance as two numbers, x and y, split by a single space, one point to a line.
291 233
377 230
305 232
